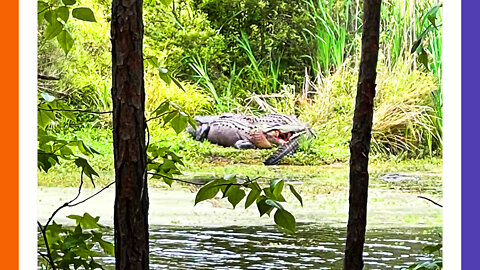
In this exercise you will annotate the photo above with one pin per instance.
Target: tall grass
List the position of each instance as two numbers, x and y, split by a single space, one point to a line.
329 33
203 78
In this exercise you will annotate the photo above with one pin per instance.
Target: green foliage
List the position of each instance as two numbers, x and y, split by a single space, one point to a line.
267 199
84 73
52 149
434 263
161 161
56 17
76 246
429 41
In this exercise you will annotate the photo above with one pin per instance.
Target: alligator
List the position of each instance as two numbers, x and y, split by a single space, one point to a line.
247 132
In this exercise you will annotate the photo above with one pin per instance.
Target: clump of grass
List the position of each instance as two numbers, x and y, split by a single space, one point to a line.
191 98
404 117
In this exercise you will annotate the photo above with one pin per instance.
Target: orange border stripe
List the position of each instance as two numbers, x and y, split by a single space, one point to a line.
9 74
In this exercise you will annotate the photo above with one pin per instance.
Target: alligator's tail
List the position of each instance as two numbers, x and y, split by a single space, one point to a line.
283 151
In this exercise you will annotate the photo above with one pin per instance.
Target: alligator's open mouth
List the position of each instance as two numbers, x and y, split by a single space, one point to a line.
282 137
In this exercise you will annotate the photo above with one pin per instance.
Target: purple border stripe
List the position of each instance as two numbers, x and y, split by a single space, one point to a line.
470 133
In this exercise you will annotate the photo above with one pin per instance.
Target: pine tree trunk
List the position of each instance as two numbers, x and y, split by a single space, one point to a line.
361 135
128 94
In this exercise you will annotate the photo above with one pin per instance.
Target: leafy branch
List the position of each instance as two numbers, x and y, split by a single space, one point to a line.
73 242
56 16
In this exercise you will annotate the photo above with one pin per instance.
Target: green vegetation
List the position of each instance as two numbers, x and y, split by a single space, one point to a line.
215 56
296 57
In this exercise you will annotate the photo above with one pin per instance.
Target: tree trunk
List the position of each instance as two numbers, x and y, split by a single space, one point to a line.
128 94
361 135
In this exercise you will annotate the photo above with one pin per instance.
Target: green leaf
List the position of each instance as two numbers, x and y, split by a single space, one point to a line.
170 116
152 60
162 108
53 29
87 169
192 122
268 193
295 193
63 13
432 248
432 19
65 40
276 187
86 221
168 180
84 148
423 58
416 44
46 160
68 114
235 194
208 191
179 123
263 208
285 220
66 151
252 196
177 83
84 14
224 189
107 247
165 75
69 2
41 6
44 117
95 265
50 16
274 204
166 2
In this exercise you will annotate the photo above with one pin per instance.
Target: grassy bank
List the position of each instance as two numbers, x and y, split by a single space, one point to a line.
328 164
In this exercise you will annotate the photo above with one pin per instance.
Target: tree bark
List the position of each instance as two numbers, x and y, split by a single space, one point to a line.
128 94
361 135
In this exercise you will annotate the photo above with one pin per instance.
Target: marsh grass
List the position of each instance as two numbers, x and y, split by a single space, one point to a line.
329 34
405 116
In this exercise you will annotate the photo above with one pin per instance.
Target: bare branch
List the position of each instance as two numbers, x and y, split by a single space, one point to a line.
158 116
72 110
47 78
95 194
176 179
49 255
430 200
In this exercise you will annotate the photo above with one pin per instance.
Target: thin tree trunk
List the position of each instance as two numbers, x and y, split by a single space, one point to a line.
128 94
361 135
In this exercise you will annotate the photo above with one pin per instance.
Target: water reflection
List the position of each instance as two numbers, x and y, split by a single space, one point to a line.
265 247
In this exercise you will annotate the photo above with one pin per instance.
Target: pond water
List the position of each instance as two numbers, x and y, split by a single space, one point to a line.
212 235
265 247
